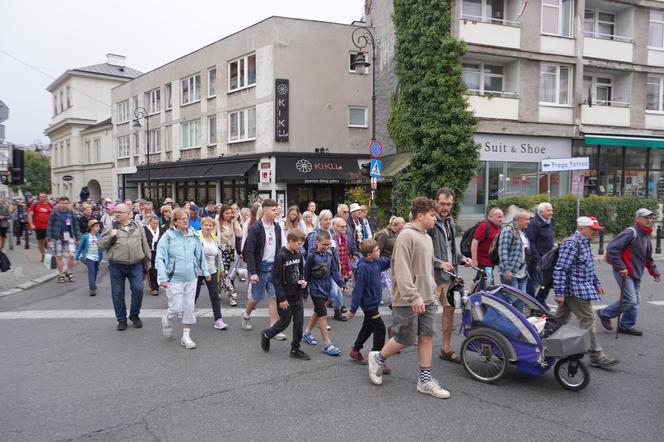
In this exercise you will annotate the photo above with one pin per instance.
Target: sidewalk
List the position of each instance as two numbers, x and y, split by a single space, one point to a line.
26 269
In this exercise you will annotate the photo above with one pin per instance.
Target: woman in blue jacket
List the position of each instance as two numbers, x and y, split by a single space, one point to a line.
180 260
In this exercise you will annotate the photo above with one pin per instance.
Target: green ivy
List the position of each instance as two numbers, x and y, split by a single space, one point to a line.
429 117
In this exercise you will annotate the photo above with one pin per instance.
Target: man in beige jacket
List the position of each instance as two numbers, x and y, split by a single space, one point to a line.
413 298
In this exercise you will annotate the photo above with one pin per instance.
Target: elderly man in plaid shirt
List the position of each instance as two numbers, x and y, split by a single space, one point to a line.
575 284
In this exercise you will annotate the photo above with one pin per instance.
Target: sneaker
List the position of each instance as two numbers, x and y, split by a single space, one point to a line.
338 316
375 368
155 292
93 292
357 356
232 301
606 322
630 331
136 321
299 354
219 324
122 325
166 327
246 323
187 342
265 342
280 337
431 387
602 361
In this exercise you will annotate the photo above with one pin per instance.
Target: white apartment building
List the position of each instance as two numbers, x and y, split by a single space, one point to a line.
554 79
80 130
274 109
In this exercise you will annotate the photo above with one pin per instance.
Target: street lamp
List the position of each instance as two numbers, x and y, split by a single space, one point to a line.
362 37
139 113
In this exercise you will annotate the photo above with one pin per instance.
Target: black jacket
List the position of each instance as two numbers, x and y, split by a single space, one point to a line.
255 243
287 270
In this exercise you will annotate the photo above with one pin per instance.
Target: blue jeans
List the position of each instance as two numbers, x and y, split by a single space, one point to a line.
93 269
517 283
630 304
134 273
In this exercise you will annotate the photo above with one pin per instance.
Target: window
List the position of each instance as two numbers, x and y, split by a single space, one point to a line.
97 151
488 11
357 116
242 125
654 93
242 73
191 89
212 129
191 134
212 82
600 90
123 147
62 102
68 97
168 137
168 96
656 38
555 84
557 17
599 24
123 111
137 146
154 141
87 155
153 100
55 104
481 77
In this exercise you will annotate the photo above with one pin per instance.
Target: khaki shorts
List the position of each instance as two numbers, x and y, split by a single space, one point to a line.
441 294
407 325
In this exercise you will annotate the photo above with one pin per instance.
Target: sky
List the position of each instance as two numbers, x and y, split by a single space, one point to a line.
51 36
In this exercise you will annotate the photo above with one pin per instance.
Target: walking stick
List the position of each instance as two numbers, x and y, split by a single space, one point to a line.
620 304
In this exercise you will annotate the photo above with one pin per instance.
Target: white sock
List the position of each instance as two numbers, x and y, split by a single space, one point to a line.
246 316
185 332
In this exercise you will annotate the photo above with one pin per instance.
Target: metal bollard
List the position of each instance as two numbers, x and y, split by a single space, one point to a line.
658 243
601 243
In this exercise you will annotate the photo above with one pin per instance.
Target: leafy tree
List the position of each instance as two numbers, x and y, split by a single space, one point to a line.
37 173
429 115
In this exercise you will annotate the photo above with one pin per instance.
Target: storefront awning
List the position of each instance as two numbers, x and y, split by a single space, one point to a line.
187 173
230 169
142 175
194 172
617 140
393 164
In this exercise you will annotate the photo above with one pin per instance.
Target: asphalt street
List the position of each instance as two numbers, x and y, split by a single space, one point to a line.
68 375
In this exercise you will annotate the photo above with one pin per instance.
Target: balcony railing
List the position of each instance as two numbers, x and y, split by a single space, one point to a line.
491 20
491 94
607 103
607 36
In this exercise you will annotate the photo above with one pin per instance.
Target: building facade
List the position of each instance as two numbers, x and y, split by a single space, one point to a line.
274 110
80 130
555 79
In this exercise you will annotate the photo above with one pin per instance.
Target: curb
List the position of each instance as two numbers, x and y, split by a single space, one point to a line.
29 284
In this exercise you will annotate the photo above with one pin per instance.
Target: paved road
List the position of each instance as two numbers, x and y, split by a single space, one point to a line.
79 379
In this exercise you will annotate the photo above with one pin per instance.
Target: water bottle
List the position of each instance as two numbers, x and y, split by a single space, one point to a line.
489 275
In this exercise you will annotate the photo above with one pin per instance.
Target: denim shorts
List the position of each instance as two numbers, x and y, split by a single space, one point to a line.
264 284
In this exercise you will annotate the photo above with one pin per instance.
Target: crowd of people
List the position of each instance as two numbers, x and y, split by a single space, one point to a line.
288 257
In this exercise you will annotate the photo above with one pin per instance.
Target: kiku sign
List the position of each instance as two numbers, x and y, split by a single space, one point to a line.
281 123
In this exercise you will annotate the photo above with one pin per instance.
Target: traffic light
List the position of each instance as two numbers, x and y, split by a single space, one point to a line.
17 166
366 169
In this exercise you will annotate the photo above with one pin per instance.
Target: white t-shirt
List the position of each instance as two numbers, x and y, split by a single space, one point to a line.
210 251
270 249
521 273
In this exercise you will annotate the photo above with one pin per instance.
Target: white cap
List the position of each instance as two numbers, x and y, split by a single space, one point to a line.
588 221
645 212
355 207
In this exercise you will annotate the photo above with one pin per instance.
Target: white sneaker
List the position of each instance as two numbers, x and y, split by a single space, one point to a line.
280 337
166 327
232 301
219 324
186 342
375 369
246 323
329 327
433 389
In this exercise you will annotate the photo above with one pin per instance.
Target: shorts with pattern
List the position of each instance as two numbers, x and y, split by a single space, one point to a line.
63 248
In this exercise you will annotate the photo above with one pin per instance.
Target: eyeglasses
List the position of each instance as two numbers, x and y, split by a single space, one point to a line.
182 218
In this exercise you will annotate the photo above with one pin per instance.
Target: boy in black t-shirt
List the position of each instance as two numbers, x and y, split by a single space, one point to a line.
288 280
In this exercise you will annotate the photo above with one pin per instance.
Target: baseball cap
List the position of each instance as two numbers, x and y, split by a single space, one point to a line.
645 212
110 207
588 221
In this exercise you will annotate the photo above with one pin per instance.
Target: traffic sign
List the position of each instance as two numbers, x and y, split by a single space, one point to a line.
375 149
375 168
565 164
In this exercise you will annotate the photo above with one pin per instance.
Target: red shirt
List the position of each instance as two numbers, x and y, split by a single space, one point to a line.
40 213
484 244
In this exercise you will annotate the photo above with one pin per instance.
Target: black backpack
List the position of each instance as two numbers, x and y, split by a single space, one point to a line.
548 261
467 238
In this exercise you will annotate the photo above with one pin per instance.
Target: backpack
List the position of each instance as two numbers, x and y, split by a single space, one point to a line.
606 254
548 262
494 254
467 238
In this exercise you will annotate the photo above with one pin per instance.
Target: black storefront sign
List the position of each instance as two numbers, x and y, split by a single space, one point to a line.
312 170
281 123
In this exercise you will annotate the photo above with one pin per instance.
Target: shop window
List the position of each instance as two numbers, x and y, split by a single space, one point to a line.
474 196
610 176
521 179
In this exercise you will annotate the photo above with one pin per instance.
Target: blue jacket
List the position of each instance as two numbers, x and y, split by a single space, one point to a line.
82 249
540 236
368 292
321 288
182 255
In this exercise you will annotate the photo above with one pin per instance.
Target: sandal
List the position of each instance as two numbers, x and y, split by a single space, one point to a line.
61 279
451 356
309 340
70 277
332 350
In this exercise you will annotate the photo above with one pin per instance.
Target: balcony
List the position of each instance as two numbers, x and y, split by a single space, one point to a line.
490 31
500 105
608 47
606 113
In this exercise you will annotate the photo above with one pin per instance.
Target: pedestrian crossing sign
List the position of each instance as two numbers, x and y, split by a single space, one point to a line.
375 168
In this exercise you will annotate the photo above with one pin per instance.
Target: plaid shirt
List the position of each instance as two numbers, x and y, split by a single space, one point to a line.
575 275
510 249
344 257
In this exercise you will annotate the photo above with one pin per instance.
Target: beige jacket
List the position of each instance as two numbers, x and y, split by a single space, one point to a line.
412 268
128 247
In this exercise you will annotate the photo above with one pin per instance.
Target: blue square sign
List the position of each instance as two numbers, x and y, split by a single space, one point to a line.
375 168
